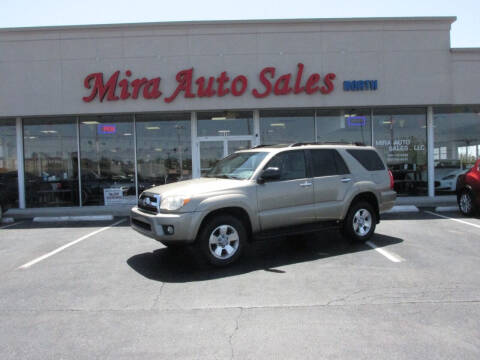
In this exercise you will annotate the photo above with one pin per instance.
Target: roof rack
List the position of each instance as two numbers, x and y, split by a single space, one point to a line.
270 145
356 143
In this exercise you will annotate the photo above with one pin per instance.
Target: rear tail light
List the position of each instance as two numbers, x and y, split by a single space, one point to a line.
392 183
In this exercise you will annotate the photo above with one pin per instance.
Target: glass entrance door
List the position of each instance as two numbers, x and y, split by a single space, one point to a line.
215 148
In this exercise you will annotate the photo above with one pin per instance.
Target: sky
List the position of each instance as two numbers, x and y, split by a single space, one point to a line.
31 13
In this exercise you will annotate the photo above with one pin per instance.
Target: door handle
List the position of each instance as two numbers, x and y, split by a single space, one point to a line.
345 180
305 184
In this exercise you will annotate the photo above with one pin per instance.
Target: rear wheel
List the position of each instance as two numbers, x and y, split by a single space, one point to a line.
222 240
466 203
360 222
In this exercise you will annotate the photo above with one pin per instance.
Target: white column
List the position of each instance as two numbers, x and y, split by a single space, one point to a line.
79 167
135 154
20 165
256 128
371 127
430 150
194 146
341 119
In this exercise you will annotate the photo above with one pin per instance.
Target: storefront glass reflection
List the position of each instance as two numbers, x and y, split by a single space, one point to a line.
163 149
287 126
457 144
8 164
401 138
107 160
224 123
344 125
51 162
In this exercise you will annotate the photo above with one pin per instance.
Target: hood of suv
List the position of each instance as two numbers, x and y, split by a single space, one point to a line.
197 186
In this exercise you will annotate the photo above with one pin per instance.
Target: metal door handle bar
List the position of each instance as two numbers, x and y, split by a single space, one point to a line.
345 180
306 184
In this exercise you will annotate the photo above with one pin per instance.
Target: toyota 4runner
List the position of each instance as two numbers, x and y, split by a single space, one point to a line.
269 191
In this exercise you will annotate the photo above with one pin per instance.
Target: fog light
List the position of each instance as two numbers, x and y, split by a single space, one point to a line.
168 229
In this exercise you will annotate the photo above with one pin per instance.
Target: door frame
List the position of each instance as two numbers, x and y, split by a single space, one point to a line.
224 139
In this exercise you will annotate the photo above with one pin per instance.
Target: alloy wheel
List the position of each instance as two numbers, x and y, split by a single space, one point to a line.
223 242
465 203
362 222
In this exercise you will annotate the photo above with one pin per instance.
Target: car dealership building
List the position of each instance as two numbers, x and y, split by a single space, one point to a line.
93 115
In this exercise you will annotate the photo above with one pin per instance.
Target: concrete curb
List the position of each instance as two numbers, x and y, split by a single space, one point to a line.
402 209
446 208
73 218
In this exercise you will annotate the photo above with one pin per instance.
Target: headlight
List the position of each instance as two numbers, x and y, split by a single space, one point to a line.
171 203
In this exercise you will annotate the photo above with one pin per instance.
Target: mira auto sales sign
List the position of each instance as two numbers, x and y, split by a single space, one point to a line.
123 86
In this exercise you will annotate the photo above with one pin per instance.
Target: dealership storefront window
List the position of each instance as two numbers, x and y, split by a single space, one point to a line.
287 126
51 161
224 123
401 137
163 148
457 144
8 163
107 160
166 150
344 125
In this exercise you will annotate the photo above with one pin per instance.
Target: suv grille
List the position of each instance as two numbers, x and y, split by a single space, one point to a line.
149 203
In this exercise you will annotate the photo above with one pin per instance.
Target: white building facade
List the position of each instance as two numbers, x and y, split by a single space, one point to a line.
93 115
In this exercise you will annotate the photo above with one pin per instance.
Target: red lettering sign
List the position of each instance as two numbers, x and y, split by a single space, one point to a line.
189 86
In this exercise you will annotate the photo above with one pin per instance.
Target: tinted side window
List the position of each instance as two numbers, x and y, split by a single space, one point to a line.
323 162
291 164
342 168
328 162
368 158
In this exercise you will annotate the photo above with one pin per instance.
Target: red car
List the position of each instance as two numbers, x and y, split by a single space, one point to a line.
468 190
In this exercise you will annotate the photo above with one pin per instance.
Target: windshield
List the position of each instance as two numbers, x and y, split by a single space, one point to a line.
237 166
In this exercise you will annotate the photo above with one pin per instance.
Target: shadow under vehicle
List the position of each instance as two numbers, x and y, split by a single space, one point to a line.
182 265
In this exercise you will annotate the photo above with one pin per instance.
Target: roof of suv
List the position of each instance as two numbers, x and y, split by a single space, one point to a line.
276 147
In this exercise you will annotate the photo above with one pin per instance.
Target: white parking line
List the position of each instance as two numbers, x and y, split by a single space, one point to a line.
390 256
6 226
61 248
457 220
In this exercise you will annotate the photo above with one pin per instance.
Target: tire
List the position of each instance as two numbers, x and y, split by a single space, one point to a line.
360 222
466 203
222 239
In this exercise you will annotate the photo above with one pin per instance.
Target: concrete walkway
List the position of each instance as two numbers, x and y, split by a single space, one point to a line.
124 210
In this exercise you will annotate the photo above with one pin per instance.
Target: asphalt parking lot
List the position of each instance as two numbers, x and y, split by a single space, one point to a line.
104 291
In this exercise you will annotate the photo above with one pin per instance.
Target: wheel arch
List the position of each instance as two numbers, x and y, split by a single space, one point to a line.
235 211
369 197
465 187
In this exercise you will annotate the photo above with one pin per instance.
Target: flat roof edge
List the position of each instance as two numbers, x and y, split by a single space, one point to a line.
447 19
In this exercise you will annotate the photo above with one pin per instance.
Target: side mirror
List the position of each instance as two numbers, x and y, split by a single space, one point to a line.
269 174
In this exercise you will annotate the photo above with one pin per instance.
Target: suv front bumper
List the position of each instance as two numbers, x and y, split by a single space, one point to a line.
185 225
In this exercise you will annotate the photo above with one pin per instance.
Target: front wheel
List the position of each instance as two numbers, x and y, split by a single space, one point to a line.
466 203
360 222
222 240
